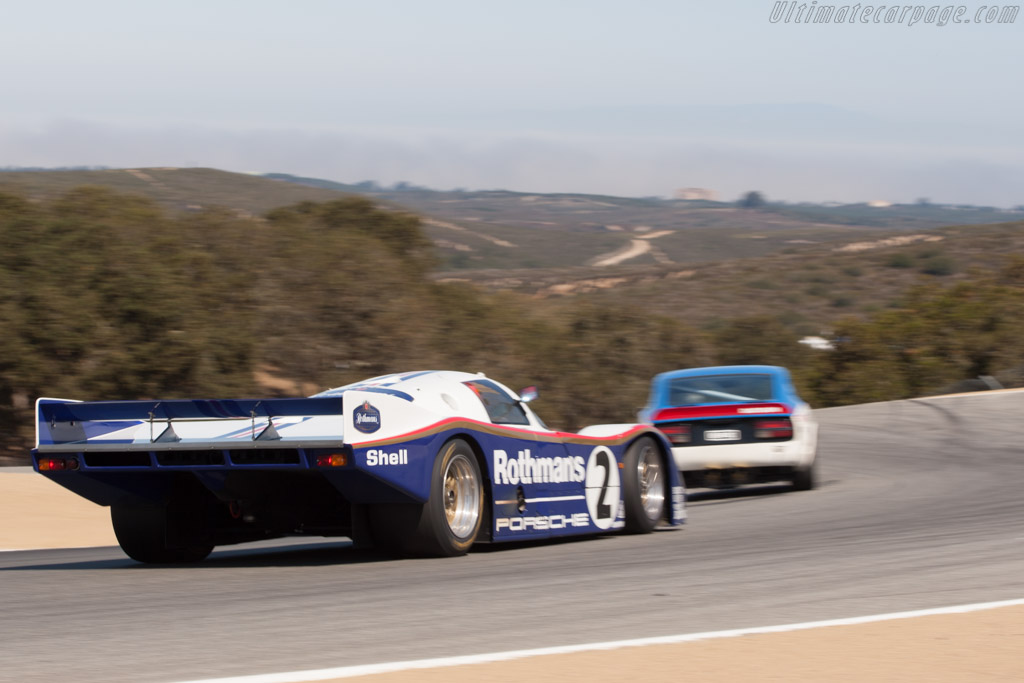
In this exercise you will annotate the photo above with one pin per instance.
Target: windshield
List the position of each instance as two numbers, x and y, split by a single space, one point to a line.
688 391
501 408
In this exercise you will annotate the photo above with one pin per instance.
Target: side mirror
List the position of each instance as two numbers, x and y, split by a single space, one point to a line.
528 394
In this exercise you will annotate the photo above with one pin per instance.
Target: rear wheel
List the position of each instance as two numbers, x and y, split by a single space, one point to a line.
644 485
160 534
804 478
449 522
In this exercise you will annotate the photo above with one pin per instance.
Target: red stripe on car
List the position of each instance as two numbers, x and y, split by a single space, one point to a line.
726 410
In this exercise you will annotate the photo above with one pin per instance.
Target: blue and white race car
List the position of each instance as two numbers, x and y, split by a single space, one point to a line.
420 463
737 424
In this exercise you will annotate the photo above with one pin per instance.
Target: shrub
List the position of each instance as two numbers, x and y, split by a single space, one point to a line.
938 265
841 302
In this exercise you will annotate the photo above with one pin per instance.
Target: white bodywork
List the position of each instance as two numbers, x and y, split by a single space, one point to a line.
434 395
797 452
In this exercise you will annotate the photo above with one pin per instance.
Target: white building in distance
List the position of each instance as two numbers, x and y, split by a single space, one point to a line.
696 193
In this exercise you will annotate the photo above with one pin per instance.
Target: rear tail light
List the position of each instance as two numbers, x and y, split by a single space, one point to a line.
677 434
57 464
778 428
332 460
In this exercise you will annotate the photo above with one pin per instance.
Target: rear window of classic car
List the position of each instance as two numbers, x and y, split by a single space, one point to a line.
688 391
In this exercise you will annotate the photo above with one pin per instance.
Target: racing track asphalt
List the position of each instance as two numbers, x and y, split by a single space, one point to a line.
920 506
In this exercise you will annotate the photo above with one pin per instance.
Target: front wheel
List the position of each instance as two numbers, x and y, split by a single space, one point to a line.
644 482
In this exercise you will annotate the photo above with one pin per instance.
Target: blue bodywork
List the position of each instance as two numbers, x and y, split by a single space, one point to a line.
255 481
782 390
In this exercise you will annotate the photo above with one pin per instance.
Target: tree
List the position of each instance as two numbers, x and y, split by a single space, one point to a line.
752 200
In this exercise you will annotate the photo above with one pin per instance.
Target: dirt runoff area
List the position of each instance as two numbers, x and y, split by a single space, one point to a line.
979 646
35 513
986 645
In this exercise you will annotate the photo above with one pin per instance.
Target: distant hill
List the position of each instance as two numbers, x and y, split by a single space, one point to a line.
178 189
502 230
808 286
498 229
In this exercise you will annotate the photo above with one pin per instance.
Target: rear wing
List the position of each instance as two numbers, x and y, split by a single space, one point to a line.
75 426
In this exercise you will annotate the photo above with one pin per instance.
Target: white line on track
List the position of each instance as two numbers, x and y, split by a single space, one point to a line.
390 667
990 392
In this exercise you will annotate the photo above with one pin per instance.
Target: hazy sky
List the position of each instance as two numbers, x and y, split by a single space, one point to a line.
633 98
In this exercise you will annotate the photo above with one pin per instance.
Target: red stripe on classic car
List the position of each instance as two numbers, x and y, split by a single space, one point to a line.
725 410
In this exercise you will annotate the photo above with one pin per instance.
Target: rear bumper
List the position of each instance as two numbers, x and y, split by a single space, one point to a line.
792 453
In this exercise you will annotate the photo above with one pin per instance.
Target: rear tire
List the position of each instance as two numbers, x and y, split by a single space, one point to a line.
143 531
805 478
644 485
449 522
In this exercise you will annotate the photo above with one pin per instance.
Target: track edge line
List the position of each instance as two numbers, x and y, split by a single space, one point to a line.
461 660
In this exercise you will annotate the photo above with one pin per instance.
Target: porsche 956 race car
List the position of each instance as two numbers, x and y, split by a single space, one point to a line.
422 463
732 425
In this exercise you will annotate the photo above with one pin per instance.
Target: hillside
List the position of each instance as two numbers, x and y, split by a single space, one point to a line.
486 230
807 286
106 294
177 189
500 230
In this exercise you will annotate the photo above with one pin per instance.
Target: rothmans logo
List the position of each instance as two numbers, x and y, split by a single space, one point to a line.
366 418
526 469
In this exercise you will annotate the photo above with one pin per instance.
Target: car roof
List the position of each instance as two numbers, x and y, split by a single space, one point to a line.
404 381
724 370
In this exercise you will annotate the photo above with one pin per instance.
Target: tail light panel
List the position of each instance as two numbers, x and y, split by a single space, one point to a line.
678 434
774 428
57 464
332 460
